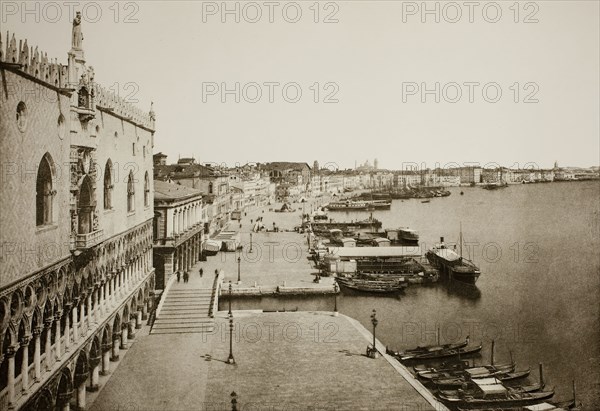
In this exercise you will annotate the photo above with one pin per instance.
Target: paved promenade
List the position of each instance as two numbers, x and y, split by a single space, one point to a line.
284 361
300 361
278 259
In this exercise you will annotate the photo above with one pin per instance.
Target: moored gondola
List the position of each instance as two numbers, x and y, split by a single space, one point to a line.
492 395
458 380
372 286
426 349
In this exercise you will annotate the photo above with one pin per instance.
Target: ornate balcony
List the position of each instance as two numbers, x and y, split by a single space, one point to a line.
89 240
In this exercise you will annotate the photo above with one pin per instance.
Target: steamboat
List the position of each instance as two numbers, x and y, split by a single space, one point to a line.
452 264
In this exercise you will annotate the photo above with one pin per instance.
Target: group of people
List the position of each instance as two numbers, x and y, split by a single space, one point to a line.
186 275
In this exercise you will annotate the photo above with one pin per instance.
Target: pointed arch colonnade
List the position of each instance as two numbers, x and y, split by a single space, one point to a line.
61 328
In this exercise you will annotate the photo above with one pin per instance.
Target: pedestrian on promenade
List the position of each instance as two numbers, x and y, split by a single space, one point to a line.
178 275
185 276
216 272
201 272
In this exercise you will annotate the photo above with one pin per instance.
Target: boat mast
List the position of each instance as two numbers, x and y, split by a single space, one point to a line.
461 240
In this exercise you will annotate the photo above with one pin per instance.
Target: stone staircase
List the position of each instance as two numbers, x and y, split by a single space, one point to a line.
185 310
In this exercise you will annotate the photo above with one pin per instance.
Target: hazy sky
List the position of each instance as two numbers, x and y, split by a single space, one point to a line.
372 64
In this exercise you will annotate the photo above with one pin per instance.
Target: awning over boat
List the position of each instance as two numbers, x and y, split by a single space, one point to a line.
366 252
492 389
487 381
477 371
540 407
349 242
381 241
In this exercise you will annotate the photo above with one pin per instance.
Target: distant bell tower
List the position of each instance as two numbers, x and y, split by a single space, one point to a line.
315 167
375 164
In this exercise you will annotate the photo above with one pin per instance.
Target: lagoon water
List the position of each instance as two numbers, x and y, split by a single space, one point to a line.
538 295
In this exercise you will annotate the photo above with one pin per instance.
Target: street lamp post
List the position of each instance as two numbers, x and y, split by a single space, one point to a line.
239 262
372 352
233 401
335 291
230 359
250 243
230 289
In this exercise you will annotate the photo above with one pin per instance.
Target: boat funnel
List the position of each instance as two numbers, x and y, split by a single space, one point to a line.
441 239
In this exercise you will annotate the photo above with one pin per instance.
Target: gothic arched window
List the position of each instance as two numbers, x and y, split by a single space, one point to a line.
108 186
130 193
146 190
44 194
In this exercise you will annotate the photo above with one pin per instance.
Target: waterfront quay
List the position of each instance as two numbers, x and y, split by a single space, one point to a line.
312 360
271 262
283 361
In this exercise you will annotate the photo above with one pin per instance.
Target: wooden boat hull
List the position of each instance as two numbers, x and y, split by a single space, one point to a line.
458 381
560 405
443 354
370 286
493 370
429 349
513 400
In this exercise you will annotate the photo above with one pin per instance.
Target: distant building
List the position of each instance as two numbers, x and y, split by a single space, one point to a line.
178 229
159 159
289 172
213 184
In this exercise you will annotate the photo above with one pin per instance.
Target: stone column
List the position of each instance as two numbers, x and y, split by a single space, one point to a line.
75 328
115 288
66 310
94 374
119 285
81 396
105 296
82 316
124 333
91 318
49 362
111 291
138 317
57 317
100 303
106 358
25 364
145 311
115 347
37 331
131 329
10 357
63 400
